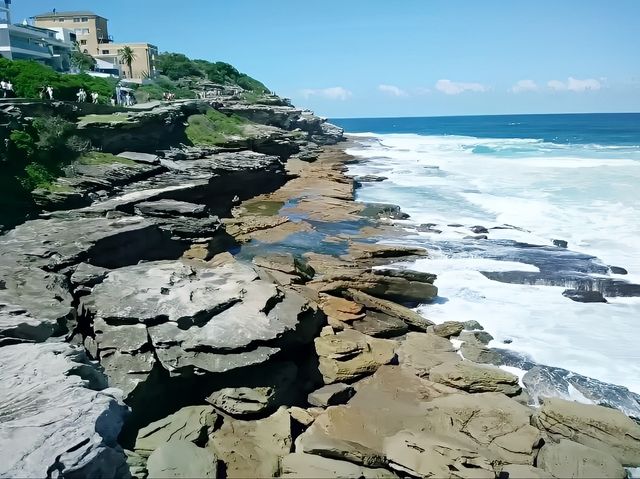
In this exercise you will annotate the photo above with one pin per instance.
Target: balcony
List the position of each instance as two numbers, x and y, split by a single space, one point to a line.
108 39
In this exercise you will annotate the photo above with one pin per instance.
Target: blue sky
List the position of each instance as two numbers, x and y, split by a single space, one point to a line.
357 58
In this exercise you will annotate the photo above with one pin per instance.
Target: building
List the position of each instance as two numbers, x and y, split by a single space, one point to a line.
92 32
26 42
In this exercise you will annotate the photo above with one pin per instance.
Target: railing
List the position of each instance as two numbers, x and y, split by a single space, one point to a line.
18 42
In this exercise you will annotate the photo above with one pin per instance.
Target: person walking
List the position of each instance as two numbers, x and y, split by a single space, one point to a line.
50 92
127 99
10 92
94 97
3 86
43 92
79 95
114 99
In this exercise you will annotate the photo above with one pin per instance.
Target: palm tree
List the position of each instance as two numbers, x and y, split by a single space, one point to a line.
127 56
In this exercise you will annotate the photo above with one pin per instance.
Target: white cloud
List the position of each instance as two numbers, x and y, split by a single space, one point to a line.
333 93
449 87
392 90
575 85
524 85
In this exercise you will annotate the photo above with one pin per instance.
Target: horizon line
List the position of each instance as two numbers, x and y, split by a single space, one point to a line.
477 115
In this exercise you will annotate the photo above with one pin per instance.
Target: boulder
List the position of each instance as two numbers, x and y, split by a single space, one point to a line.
569 459
560 243
331 395
349 355
301 416
448 329
473 348
380 325
253 448
605 429
474 378
411 318
360 251
57 416
182 459
285 263
618 270
422 352
581 296
479 229
191 423
300 465
332 448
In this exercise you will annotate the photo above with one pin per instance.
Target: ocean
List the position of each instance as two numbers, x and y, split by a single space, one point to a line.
526 180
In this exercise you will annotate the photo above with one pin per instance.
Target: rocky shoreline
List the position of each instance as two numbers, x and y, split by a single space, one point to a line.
232 312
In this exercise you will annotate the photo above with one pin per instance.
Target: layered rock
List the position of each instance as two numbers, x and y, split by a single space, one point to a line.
58 418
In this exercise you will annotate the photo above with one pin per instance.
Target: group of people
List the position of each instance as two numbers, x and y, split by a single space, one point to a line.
82 96
7 89
123 96
46 93
166 96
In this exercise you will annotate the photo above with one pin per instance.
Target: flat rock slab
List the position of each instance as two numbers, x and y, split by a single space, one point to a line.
300 465
569 459
380 325
52 421
473 377
331 395
170 208
140 157
182 459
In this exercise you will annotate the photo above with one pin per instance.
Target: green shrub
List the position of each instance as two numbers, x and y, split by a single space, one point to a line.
21 145
37 175
213 128
52 132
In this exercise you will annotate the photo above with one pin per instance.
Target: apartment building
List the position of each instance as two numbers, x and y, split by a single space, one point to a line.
92 33
26 42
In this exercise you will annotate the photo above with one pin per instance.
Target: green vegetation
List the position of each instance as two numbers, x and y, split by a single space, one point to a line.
113 118
100 158
160 86
176 66
82 61
213 128
128 56
28 78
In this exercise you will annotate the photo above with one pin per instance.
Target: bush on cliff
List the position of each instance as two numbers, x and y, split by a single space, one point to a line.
213 128
158 87
177 66
28 78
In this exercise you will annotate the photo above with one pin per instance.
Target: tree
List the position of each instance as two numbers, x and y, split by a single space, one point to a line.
82 61
128 56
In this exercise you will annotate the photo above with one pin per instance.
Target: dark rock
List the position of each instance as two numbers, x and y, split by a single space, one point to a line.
380 325
368 179
407 274
331 395
448 329
476 237
479 230
584 296
382 210
286 263
618 270
88 275
560 243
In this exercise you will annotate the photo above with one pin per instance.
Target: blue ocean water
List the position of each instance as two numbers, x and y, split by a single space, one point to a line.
529 180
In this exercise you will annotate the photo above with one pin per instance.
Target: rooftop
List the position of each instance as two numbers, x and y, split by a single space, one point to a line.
78 13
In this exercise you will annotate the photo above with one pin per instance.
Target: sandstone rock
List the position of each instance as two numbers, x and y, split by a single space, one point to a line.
421 352
341 309
359 251
473 348
350 354
253 448
380 325
57 418
472 325
522 471
409 316
472 377
301 416
137 465
182 459
299 465
202 318
325 446
448 329
570 459
285 263
170 208
191 424
331 395
597 427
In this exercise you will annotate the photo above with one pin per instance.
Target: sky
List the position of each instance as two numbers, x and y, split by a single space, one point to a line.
386 58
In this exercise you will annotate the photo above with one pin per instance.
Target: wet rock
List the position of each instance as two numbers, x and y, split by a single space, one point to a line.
472 377
57 416
381 210
421 352
192 424
448 329
474 347
341 309
569 459
584 296
331 395
618 270
475 237
560 243
349 355
598 427
479 230
253 448
472 325
360 251
182 459
369 179
300 465
170 208
380 325
411 318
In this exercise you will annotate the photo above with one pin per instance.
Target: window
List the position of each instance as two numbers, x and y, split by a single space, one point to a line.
85 19
62 19
76 19
105 52
83 42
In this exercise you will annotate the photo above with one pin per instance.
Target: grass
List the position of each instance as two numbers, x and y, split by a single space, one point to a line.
56 188
113 118
100 158
214 128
